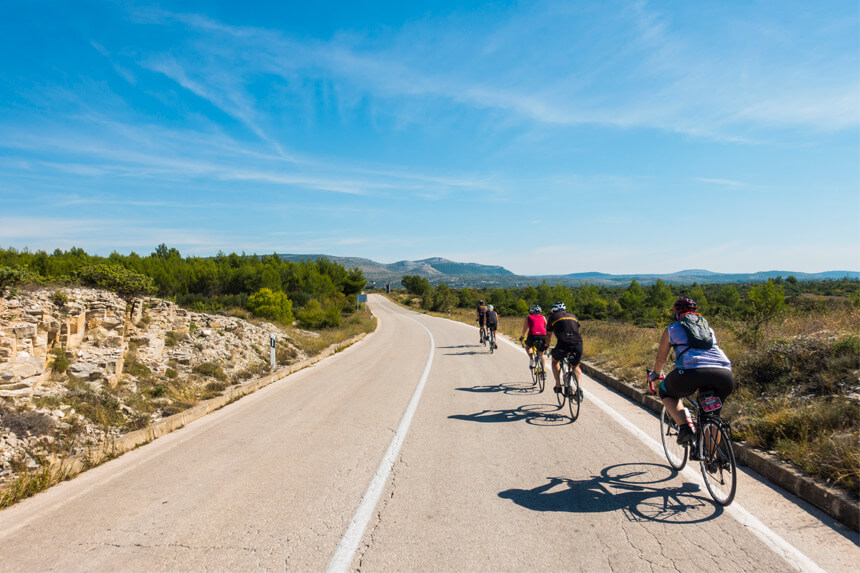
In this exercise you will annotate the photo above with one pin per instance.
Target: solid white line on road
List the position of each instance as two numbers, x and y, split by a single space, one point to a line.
778 545
348 545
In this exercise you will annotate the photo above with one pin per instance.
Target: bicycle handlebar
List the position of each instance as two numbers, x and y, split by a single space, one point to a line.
651 382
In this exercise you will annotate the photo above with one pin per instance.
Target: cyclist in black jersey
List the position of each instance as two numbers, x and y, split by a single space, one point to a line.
565 326
481 309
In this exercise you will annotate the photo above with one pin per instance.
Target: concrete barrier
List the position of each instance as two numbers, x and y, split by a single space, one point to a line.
828 499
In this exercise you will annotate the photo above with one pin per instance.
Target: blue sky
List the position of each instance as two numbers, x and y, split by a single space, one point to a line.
547 137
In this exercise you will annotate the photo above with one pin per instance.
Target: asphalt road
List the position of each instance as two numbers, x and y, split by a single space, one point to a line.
414 450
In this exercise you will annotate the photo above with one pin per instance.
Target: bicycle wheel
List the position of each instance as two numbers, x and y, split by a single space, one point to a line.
574 398
718 463
541 376
534 371
675 452
492 341
560 396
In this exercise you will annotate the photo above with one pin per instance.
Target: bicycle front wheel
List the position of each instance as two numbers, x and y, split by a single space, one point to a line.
574 397
718 463
675 452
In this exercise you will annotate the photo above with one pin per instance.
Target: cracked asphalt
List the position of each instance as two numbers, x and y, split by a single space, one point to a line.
490 478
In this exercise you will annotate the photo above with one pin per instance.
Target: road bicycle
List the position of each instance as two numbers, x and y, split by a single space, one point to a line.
538 371
492 340
484 336
571 392
712 446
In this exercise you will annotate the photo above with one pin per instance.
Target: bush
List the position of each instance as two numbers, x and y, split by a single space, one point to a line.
271 305
315 315
61 360
59 298
211 370
127 284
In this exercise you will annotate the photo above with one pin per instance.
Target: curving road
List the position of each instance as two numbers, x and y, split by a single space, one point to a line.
413 450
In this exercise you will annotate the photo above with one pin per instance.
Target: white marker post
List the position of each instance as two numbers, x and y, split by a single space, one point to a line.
272 350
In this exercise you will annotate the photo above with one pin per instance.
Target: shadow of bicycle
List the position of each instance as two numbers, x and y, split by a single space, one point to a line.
517 388
634 489
536 414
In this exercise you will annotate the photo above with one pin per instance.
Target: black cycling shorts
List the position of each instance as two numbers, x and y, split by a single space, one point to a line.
536 340
682 383
562 349
492 326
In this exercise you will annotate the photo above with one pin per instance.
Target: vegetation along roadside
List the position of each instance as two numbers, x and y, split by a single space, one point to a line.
92 348
794 346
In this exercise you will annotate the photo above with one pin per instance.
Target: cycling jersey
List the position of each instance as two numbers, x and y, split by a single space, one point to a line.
688 358
492 319
565 327
537 324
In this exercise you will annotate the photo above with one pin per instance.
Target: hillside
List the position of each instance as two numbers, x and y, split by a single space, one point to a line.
474 275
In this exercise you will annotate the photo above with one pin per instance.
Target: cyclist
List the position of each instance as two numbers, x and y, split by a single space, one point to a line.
695 368
482 313
535 327
566 329
492 320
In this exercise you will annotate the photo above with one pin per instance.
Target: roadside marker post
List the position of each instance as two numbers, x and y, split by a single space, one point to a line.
272 350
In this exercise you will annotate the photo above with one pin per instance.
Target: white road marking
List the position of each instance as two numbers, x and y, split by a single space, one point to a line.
348 545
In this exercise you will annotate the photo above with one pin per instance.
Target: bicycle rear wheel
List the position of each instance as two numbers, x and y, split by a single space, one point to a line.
718 463
574 397
675 452
541 376
534 372
560 395
492 341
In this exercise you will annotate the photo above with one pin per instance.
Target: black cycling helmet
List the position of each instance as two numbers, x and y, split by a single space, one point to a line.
683 305
535 310
480 302
558 306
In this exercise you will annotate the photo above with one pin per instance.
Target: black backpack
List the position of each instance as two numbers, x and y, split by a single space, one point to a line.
698 333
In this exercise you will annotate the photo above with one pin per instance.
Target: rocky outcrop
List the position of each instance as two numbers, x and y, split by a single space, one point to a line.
143 360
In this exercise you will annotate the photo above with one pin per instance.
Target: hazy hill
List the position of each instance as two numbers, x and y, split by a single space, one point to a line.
459 275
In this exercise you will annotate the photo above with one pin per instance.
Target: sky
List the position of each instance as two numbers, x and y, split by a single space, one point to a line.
547 137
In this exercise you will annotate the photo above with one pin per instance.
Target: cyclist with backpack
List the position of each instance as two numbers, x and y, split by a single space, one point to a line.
699 364
566 329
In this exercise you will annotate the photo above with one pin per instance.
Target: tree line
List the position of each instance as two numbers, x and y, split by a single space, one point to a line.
753 304
316 292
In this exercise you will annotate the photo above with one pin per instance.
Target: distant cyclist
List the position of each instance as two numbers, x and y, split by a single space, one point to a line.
534 333
492 320
481 308
699 364
566 329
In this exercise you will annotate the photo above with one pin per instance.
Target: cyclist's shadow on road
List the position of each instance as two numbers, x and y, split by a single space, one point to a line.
477 349
502 388
536 414
639 490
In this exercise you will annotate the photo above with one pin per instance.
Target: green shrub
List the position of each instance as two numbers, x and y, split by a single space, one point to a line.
61 359
171 374
271 305
210 369
59 298
127 284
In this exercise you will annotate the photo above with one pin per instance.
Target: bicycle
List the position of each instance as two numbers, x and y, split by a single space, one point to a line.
538 371
571 392
712 446
492 340
483 335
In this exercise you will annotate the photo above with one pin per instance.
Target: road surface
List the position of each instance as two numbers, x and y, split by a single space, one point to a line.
414 450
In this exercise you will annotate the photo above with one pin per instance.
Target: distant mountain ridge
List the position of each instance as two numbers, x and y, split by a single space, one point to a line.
459 275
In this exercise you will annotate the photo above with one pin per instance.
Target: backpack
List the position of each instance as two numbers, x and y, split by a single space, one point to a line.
698 333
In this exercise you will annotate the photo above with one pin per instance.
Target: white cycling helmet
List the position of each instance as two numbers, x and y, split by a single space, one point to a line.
490 307
558 306
535 310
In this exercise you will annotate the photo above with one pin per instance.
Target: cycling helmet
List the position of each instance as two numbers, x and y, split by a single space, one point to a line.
490 307
558 306
683 305
480 302
535 310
